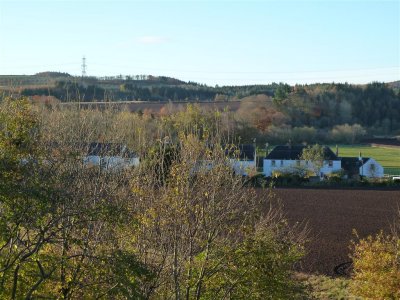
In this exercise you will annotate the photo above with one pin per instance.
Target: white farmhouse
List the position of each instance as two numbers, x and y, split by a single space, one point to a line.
243 159
362 166
287 159
110 156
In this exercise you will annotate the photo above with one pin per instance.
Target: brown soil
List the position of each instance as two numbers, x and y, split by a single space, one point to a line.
332 215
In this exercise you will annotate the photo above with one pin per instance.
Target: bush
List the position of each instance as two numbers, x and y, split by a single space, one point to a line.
349 134
258 180
260 267
335 176
376 273
288 179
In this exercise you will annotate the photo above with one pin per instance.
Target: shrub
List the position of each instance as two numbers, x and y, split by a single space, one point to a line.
347 133
376 273
260 267
335 176
258 180
281 178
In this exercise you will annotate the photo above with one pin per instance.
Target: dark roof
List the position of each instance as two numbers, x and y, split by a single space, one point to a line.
351 164
294 153
109 149
243 151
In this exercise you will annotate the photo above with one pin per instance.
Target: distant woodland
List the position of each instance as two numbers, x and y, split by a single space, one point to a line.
277 112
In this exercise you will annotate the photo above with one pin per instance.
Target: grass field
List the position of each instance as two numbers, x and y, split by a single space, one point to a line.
388 157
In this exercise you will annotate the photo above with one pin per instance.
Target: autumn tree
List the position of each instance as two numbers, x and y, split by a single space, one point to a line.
63 226
205 235
314 155
260 112
23 214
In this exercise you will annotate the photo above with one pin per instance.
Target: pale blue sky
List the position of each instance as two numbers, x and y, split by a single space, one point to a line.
213 42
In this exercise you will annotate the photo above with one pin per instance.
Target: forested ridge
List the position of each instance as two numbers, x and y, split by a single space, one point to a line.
374 106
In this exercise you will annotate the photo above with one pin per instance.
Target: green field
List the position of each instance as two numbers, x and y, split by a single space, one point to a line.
388 157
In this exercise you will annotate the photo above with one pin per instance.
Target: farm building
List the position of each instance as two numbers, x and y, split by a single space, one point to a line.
243 159
362 166
287 159
110 156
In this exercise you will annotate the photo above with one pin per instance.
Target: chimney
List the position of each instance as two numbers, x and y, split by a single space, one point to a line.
337 150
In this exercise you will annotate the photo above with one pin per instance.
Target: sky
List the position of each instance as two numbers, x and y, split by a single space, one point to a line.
211 42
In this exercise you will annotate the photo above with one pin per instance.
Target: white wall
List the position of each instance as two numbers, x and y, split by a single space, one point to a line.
242 167
290 166
326 169
111 162
372 169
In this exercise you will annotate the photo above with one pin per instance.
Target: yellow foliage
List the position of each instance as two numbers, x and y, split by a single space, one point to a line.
376 272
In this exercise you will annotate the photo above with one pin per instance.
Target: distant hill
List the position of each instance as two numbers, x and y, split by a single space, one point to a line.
66 88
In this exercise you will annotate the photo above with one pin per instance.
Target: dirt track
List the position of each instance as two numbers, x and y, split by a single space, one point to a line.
332 215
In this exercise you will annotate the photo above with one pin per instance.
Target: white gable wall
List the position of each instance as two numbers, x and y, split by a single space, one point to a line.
291 166
372 169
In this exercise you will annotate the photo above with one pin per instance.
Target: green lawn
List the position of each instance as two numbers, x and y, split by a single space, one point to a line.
388 157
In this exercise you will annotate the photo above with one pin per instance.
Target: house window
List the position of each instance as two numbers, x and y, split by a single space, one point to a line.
281 163
298 162
330 163
307 163
273 163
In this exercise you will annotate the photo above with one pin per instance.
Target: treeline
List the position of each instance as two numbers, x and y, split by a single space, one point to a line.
53 74
323 113
325 106
144 88
375 106
69 91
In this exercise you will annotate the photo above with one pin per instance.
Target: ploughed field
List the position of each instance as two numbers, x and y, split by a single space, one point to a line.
332 215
